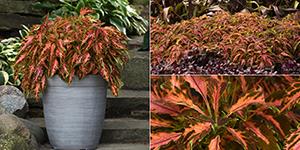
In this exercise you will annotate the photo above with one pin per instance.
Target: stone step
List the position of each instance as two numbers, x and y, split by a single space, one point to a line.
129 103
118 130
136 72
130 146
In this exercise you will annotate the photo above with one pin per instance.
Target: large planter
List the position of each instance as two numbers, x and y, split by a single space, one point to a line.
74 114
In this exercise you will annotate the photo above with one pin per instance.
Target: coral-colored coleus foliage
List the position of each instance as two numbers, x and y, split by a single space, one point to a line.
217 112
246 39
68 47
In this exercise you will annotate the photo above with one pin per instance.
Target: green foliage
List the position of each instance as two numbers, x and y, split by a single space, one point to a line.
176 10
112 12
278 8
9 49
221 112
68 47
246 39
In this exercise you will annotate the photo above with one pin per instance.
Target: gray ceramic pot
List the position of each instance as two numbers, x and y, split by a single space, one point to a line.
74 114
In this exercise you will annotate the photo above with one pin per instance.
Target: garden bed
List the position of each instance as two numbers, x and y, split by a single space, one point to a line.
243 43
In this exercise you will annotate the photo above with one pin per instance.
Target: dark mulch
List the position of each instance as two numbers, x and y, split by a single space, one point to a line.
214 63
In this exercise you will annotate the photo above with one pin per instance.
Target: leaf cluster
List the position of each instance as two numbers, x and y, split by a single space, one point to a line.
68 47
221 112
113 12
176 10
246 39
8 51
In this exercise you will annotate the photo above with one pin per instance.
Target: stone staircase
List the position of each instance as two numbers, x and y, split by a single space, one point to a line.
126 126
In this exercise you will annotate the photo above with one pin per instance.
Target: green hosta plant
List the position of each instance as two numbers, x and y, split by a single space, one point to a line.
112 12
9 49
68 47
224 113
8 52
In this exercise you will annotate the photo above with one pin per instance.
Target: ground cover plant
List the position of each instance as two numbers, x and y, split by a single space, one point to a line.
222 112
71 46
243 43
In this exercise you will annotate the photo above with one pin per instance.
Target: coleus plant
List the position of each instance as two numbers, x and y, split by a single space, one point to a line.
246 39
217 112
68 47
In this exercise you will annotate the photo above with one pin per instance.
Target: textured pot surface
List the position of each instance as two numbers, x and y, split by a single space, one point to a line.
74 114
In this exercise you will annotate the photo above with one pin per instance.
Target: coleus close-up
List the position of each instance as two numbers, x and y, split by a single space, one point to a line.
222 112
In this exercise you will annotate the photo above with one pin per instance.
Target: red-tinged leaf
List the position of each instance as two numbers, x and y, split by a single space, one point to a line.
199 84
245 101
162 138
37 90
289 78
251 126
238 136
272 120
86 58
21 58
43 83
88 36
297 145
293 141
158 123
180 99
243 83
199 128
71 76
215 143
292 135
90 42
218 89
54 68
291 101
45 49
162 107
28 41
175 81
85 11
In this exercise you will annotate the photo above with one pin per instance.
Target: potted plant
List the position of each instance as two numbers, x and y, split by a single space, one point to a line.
74 57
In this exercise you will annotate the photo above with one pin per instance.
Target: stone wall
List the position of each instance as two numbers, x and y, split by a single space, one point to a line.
14 13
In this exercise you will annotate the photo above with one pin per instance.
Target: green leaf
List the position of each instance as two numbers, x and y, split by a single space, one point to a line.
4 77
119 25
296 4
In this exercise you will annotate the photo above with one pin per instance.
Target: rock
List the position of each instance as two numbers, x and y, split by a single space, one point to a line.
14 21
18 7
14 142
16 132
2 110
11 124
9 90
35 130
13 100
